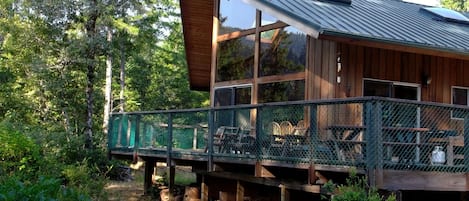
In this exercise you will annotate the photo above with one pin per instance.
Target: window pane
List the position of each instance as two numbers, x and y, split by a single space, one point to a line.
282 51
235 15
235 59
405 92
243 95
226 97
459 96
223 97
267 19
282 91
376 88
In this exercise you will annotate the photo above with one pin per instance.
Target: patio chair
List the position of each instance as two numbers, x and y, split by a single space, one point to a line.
300 128
286 128
273 128
246 142
222 139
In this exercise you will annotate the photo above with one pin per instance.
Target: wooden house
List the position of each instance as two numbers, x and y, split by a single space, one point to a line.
359 74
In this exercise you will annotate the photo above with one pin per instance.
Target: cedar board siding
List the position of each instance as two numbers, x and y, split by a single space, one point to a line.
360 62
365 62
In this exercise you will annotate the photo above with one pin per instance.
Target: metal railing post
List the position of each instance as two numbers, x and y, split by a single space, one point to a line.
313 132
110 136
259 134
374 142
170 139
466 142
211 131
313 142
136 137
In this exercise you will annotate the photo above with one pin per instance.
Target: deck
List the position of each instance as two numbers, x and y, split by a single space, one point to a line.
391 141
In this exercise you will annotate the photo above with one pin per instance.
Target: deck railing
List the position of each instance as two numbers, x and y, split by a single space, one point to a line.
367 133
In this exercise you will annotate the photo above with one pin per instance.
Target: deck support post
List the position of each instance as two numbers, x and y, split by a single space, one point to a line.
171 171
170 164
312 174
261 171
239 191
284 193
463 196
204 189
149 170
398 195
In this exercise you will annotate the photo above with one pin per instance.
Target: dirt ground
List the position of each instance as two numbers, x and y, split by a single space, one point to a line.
132 190
127 190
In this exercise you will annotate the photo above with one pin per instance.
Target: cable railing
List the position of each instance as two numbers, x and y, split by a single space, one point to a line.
366 133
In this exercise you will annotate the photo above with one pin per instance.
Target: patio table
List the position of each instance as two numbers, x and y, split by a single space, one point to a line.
393 137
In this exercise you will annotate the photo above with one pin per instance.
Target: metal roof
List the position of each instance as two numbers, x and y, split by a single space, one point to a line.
389 21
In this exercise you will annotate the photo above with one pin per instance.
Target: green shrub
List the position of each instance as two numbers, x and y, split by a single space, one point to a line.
44 189
80 176
355 189
74 173
18 153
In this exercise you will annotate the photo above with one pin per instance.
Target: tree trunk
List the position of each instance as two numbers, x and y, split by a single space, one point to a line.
121 94
107 89
91 54
122 78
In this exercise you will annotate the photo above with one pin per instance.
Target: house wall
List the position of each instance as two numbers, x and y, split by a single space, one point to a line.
360 62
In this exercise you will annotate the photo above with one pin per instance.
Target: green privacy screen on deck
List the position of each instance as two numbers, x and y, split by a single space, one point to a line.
154 132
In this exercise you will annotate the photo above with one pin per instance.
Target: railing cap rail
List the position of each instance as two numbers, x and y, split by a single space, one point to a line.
297 103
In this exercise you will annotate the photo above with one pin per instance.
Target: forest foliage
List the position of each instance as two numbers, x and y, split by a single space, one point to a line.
53 57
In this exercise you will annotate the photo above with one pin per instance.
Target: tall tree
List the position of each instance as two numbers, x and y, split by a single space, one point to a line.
90 27
53 61
108 86
459 5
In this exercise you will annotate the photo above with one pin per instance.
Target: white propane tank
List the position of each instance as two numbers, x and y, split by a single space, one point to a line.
438 156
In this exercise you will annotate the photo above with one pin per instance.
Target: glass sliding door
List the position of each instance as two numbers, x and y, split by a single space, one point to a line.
396 114
229 96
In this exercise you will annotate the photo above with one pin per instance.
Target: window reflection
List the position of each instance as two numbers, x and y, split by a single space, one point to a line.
235 15
235 59
267 19
282 91
283 51
232 96
460 96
